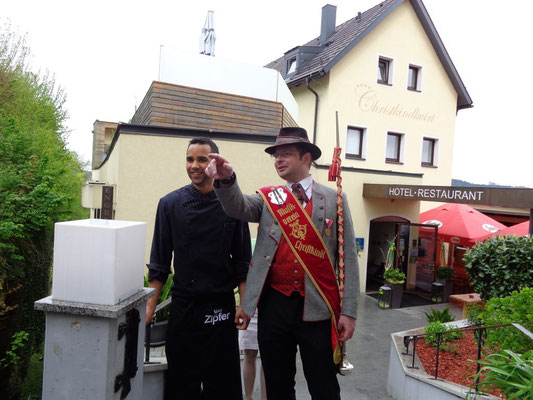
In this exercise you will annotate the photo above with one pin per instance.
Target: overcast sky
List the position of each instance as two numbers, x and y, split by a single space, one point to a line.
105 54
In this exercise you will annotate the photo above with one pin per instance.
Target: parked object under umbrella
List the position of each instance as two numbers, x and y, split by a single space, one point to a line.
460 224
208 37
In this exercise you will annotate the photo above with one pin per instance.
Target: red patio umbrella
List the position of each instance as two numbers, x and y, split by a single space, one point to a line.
521 229
460 224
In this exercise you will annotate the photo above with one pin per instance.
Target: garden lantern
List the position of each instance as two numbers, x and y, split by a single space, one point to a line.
437 292
384 297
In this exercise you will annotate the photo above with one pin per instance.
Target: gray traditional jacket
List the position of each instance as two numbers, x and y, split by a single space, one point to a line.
251 208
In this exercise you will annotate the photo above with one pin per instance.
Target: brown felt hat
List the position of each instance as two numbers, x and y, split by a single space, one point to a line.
294 136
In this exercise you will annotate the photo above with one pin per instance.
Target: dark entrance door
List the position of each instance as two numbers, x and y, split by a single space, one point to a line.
417 254
382 233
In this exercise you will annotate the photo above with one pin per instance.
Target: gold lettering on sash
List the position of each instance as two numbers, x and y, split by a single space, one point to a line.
309 249
291 218
286 210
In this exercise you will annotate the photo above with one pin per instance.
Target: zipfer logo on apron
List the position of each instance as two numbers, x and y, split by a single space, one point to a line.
217 316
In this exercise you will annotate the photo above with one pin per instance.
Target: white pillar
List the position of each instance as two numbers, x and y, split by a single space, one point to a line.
95 317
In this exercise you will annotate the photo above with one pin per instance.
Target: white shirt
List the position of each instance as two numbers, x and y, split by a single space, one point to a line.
307 184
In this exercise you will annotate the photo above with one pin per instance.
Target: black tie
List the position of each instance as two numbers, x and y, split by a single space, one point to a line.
299 192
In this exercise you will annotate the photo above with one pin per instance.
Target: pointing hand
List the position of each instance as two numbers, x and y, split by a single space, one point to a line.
219 167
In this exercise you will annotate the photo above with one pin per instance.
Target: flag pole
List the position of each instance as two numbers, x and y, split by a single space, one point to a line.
334 174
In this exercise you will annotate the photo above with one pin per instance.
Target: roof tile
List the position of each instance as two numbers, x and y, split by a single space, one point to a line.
335 44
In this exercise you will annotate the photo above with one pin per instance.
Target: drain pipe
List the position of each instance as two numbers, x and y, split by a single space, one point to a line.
307 81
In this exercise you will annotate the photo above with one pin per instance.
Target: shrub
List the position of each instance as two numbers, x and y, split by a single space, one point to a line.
500 265
473 312
444 273
40 184
439 316
12 356
517 308
509 372
394 275
434 327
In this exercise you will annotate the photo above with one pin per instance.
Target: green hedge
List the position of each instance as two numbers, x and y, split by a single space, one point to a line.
40 184
516 308
500 265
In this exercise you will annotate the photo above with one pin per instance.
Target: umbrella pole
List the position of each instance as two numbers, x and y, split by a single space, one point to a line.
530 222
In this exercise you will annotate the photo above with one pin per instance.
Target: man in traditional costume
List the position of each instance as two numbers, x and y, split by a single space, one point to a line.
292 278
211 257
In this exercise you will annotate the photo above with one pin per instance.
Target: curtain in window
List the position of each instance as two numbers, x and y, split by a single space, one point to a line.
292 66
412 78
353 142
427 151
383 71
393 146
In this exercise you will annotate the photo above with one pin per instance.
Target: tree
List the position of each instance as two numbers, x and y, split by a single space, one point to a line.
40 184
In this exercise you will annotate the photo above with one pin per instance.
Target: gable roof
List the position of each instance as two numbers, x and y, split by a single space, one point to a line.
351 32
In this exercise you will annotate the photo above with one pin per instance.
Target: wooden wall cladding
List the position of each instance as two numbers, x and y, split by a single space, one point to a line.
180 106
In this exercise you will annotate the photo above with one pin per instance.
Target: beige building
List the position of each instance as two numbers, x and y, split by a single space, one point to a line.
103 133
390 80
145 159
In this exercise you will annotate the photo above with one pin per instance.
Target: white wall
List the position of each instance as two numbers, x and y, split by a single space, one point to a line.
212 73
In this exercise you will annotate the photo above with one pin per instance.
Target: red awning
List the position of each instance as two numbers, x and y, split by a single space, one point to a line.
521 229
460 223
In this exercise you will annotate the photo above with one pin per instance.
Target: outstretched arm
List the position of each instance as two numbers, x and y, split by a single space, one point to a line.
235 204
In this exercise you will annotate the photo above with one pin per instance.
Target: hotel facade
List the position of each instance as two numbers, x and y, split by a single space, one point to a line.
382 82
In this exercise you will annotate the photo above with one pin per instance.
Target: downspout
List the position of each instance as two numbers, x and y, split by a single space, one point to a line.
307 81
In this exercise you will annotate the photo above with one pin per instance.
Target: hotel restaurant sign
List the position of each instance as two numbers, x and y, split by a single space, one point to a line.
503 197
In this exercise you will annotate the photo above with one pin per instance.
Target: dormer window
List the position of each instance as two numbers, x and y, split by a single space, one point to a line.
291 66
298 57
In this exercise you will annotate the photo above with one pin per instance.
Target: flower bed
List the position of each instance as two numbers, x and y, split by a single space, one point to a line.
456 365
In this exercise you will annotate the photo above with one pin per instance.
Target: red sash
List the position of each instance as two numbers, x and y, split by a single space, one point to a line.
309 249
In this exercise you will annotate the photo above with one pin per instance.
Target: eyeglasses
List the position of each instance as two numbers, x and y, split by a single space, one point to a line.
282 154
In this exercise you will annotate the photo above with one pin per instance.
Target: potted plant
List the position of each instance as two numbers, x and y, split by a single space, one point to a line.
395 279
444 274
158 327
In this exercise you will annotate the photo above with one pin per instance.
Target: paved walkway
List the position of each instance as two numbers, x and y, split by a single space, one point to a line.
369 350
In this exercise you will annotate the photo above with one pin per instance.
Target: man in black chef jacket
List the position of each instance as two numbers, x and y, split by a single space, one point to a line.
211 257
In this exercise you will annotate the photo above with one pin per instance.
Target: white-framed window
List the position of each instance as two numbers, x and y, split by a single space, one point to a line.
385 69
356 143
430 152
291 66
395 147
414 78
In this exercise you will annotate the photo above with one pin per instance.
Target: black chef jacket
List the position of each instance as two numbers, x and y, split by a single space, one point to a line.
212 251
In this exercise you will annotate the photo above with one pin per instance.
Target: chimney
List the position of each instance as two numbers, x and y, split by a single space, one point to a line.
329 14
